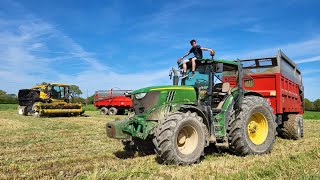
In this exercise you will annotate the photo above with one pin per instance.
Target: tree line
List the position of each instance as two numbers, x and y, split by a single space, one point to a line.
8 98
311 105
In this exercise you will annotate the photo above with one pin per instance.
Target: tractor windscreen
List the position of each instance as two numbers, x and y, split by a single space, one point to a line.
200 78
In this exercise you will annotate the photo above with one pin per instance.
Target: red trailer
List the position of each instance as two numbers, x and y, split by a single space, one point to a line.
113 102
278 80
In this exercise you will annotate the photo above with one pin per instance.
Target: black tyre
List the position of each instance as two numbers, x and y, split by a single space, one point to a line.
143 147
180 139
253 130
113 111
104 110
293 127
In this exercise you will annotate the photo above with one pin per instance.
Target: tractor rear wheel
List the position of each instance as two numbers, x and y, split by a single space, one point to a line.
293 127
104 111
180 139
113 111
253 130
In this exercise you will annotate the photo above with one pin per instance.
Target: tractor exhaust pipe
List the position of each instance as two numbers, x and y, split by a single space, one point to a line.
175 74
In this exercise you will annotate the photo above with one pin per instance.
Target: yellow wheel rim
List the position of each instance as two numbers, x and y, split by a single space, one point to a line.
187 140
257 128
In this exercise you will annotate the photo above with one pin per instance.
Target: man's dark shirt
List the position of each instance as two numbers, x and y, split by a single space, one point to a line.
196 51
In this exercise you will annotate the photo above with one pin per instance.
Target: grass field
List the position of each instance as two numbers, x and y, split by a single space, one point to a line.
77 147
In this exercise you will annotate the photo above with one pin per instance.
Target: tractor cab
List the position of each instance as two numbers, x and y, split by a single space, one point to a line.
213 81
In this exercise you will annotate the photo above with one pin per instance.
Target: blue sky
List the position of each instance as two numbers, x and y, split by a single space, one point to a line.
132 44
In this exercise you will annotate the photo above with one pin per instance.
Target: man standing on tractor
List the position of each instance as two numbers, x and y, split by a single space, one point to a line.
197 51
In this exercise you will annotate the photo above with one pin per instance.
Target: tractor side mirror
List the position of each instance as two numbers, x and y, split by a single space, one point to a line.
170 74
219 67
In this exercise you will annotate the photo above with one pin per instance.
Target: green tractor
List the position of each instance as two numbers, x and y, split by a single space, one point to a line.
177 122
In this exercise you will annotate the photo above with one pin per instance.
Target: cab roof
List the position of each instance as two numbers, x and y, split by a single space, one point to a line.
52 84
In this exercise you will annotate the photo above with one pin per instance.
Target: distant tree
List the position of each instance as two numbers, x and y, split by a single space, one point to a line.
316 104
43 83
75 90
2 92
78 99
7 99
90 99
308 105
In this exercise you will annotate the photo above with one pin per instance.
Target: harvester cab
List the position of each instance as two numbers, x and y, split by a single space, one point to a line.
50 99
57 92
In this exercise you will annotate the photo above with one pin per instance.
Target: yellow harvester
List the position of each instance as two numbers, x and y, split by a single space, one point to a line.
51 99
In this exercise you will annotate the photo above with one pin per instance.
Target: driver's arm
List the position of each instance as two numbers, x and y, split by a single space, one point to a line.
187 54
206 49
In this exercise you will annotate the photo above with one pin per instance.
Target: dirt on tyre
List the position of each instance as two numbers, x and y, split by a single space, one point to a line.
253 130
113 111
180 139
104 111
293 127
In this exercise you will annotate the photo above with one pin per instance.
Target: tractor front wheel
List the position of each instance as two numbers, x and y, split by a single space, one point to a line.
253 129
180 139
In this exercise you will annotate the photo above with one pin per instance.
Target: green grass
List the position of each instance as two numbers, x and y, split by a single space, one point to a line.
77 147
311 115
90 107
5 107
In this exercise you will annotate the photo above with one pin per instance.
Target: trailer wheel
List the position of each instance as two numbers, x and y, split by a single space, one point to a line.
104 111
293 127
113 111
180 139
253 130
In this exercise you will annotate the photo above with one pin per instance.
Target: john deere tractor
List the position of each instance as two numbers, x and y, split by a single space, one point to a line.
48 100
179 121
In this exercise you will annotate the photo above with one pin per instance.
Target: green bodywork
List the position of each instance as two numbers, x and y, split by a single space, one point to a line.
169 99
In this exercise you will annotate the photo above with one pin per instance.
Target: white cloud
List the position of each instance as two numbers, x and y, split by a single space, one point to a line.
295 51
31 51
307 60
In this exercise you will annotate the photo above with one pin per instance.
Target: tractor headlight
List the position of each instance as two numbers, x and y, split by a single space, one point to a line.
140 95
